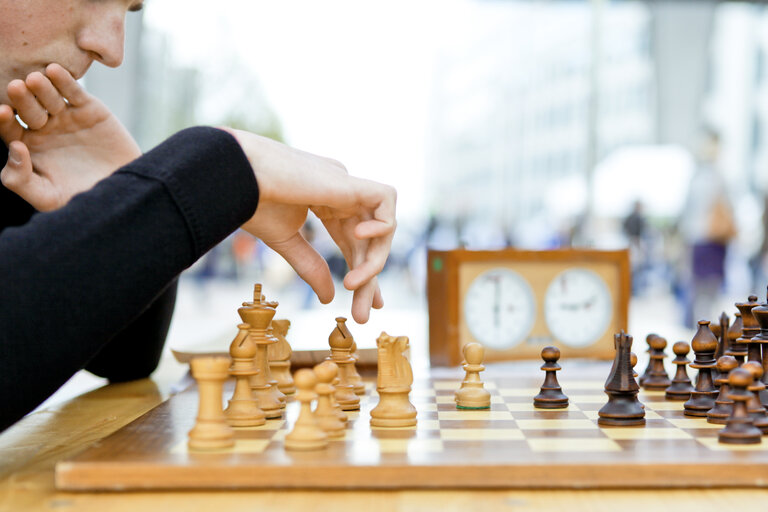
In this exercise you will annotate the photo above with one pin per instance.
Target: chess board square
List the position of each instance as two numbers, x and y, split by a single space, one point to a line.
667 406
588 399
270 425
646 433
693 423
477 424
419 392
241 446
526 392
481 434
555 424
474 415
573 445
550 415
409 446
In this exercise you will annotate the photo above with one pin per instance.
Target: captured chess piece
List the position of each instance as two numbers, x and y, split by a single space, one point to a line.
341 342
656 378
681 387
703 395
723 405
279 356
551 395
243 409
211 430
754 408
325 412
648 340
739 428
623 407
472 394
258 315
306 433
393 384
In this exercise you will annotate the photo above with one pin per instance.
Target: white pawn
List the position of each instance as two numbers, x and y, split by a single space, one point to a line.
325 412
472 394
306 433
243 410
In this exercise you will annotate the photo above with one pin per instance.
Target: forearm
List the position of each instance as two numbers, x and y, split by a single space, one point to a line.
74 277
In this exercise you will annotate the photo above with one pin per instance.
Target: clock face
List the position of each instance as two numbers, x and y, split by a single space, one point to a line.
578 307
499 308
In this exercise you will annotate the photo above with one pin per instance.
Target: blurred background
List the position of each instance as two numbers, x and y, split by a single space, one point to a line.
530 124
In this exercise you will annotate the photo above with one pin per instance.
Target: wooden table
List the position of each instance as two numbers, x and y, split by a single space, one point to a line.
30 449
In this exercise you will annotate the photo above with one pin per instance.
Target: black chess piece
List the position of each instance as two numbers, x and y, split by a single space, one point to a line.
761 317
551 395
650 361
739 428
623 407
703 396
737 350
681 387
749 328
720 413
754 408
657 378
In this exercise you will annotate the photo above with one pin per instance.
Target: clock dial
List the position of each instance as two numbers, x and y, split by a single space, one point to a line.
578 307
499 308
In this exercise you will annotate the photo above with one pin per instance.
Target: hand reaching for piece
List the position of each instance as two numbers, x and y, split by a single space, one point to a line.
72 141
359 215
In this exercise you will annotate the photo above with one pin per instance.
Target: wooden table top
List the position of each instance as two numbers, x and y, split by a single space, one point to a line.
30 449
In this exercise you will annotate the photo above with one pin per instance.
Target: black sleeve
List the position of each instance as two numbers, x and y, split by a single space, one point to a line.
75 277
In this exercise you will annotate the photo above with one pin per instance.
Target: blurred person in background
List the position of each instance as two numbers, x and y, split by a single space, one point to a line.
707 225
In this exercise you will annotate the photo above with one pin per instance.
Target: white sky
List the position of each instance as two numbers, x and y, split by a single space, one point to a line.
349 79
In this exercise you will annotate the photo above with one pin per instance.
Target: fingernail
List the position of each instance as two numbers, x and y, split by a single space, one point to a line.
14 156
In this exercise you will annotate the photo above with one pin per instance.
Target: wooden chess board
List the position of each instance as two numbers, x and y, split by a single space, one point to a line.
512 445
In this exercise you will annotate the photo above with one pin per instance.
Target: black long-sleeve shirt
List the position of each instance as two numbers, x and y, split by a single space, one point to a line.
92 284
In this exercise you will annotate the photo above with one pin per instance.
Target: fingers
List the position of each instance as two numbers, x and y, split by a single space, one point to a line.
17 176
308 263
47 95
10 129
67 85
27 107
362 300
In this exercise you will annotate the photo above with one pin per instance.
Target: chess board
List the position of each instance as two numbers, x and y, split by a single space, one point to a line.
512 445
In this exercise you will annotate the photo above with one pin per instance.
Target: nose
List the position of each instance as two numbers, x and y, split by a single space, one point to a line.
103 37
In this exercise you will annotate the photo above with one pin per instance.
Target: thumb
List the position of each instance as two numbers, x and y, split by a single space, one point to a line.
308 263
19 177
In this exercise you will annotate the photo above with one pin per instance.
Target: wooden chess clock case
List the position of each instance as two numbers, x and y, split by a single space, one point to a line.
516 302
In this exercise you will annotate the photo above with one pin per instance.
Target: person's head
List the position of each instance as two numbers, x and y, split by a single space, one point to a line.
73 33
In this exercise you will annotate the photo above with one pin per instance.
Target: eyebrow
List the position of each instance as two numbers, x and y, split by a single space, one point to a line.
136 7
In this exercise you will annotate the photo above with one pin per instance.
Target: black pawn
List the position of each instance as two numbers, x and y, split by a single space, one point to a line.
657 378
647 368
761 316
681 387
623 407
703 396
754 407
720 413
551 395
739 428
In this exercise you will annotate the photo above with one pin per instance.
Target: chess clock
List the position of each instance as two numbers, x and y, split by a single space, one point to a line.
517 302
